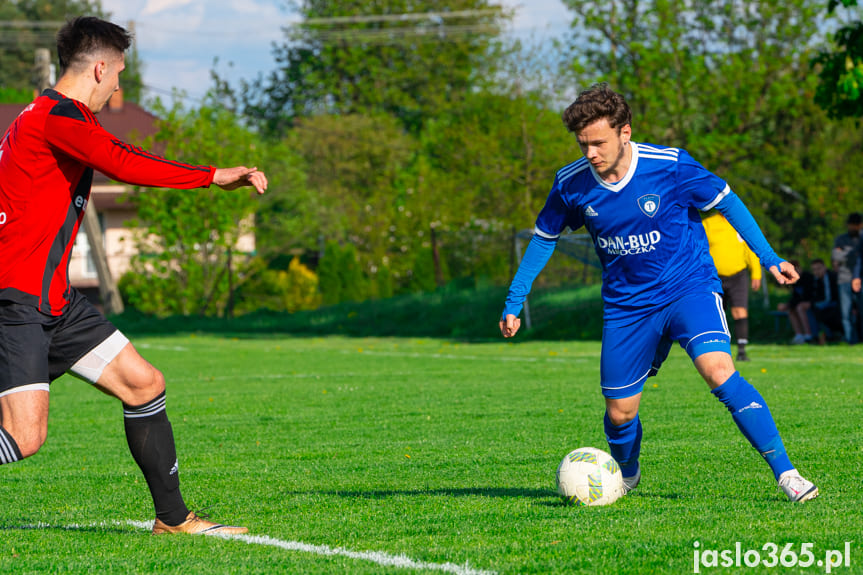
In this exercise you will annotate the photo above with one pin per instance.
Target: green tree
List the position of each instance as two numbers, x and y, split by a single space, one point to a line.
188 240
340 277
496 155
286 218
710 73
487 166
26 25
840 89
30 24
351 57
355 165
731 82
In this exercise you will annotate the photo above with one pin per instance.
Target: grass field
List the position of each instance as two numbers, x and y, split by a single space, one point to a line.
359 455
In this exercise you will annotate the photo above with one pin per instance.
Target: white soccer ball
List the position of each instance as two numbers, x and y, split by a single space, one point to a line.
589 476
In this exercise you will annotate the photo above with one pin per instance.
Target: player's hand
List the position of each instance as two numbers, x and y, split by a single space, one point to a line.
233 178
856 284
785 274
509 326
756 285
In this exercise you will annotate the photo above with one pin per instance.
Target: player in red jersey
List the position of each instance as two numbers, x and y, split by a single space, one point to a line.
47 158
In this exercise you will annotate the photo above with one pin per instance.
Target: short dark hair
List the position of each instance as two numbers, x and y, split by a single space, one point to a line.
817 261
597 102
854 218
86 35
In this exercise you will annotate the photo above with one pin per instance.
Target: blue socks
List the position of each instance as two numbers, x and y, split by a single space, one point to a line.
748 409
752 416
624 442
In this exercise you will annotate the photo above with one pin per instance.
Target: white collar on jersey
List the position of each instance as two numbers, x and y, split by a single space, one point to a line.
620 184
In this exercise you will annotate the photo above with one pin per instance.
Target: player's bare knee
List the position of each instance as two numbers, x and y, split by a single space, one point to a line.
620 415
139 384
149 384
158 382
622 410
718 376
715 368
621 418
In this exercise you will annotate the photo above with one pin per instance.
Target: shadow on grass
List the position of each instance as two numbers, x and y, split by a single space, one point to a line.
499 492
543 497
655 495
74 527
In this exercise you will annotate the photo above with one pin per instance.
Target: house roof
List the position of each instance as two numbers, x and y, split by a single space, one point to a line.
126 120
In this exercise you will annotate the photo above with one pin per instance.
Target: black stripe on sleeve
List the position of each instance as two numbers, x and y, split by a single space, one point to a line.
91 118
145 154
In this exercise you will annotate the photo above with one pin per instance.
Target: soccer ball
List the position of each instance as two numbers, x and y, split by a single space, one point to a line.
589 476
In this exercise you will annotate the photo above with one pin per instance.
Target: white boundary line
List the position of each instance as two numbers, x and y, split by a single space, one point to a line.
379 557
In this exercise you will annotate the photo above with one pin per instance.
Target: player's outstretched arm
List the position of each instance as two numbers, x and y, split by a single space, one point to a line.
741 220
536 255
785 273
233 178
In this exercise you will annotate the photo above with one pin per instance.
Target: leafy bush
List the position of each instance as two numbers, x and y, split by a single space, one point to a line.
288 290
340 276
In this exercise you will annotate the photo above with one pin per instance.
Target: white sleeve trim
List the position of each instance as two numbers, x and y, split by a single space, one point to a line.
717 199
542 234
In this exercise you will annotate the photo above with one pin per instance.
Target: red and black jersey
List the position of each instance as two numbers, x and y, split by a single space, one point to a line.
47 158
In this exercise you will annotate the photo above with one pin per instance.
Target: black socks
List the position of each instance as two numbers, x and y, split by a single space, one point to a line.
151 441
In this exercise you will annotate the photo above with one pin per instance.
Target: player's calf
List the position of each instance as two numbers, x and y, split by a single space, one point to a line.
151 442
23 422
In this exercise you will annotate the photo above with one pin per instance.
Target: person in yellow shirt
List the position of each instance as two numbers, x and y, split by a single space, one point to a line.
738 268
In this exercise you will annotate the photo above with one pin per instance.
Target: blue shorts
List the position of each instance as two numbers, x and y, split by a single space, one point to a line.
633 352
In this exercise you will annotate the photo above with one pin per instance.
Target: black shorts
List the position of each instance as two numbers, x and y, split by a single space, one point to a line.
37 349
736 289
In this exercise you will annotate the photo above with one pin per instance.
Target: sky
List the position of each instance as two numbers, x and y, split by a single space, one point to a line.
179 40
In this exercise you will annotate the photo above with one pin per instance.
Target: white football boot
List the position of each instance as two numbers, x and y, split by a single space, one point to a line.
796 487
630 483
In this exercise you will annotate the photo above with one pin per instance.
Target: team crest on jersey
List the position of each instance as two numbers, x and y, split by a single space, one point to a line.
649 204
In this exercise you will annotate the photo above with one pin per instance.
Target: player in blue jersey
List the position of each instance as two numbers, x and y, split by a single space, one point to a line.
641 203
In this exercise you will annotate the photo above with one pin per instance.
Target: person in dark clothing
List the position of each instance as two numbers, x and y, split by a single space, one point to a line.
825 317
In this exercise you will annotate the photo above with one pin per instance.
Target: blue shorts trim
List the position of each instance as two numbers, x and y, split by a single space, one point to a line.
632 353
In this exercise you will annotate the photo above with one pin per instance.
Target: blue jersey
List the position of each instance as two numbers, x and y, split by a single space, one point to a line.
646 228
